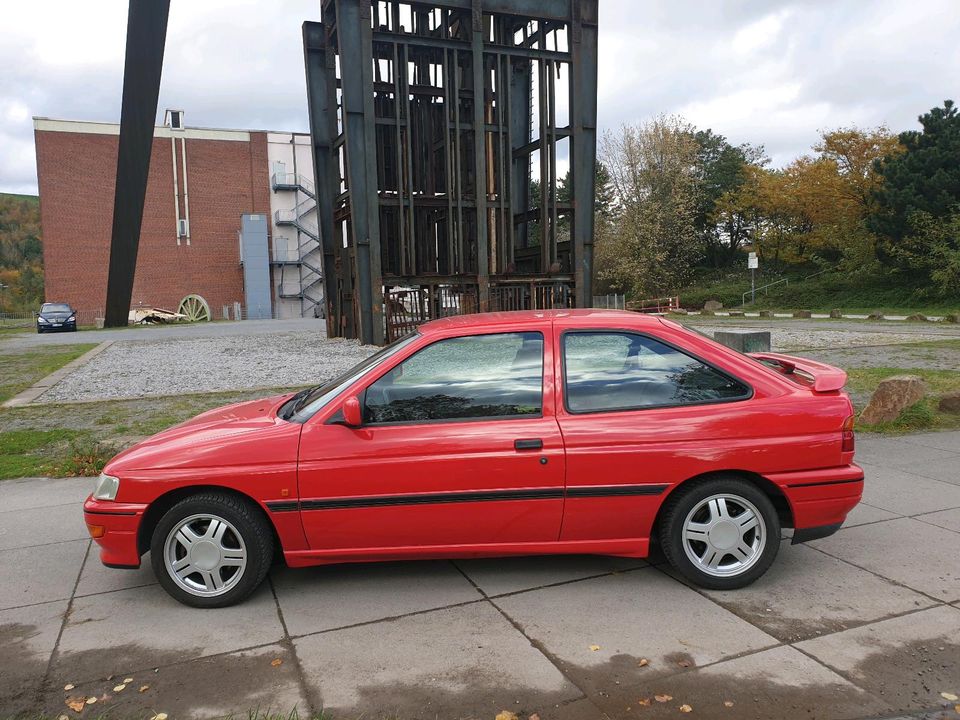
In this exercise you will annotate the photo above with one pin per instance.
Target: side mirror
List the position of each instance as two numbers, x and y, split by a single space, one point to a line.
352 414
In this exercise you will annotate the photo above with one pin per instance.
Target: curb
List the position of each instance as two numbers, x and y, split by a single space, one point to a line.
41 386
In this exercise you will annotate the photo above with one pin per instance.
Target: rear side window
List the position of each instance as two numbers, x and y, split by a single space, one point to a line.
625 371
473 377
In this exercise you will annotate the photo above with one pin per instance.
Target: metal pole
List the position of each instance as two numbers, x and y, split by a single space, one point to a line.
753 286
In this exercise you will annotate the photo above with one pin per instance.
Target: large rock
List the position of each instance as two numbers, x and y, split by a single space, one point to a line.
836 313
713 305
803 314
892 397
917 318
951 402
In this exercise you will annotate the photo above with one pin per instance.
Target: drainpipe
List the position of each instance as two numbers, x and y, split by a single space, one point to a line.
186 201
176 189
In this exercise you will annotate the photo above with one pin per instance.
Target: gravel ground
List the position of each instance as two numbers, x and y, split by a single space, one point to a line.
173 367
178 365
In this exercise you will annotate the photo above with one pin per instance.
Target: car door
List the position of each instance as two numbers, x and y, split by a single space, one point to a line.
459 446
638 415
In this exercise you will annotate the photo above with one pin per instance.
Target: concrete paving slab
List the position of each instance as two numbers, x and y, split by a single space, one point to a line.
27 637
944 469
947 440
41 526
44 492
908 660
96 578
232 685
40 574
779 683
459 662
827 602
322 598
130 630
496 576
947 519
899 452
640 614
863 514
905 493
916 554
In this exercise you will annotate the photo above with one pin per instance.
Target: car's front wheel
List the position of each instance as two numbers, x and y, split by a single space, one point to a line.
211 550
720 533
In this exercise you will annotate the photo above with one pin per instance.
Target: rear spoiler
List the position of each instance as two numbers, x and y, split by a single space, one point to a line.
826 378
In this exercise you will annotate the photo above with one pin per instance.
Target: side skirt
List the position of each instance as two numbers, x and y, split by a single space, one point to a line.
623 547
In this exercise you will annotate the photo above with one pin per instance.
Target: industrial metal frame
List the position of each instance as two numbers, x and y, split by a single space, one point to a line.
429 121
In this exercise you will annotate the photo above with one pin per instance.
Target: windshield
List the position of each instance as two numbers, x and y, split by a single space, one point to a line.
306 403
54 307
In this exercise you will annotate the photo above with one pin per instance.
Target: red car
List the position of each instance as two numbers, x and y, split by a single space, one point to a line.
523 433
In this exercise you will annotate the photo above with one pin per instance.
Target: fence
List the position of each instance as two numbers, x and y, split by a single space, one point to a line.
16 320
610 302
656 305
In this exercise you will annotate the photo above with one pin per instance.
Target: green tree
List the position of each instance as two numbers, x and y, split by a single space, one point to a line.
924 178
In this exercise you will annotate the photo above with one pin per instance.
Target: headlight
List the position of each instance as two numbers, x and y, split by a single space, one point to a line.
72 318
107 486
42 319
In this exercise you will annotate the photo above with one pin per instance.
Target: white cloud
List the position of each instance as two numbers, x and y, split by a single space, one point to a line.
770 72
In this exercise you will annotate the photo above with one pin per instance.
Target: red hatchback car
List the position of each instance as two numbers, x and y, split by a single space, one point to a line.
580 431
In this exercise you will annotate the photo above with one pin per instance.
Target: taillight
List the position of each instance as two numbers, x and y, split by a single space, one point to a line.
848 444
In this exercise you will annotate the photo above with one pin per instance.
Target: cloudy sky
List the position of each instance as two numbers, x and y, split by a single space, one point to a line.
761 71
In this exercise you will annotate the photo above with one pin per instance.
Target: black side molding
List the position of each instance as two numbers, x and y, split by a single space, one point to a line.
814 533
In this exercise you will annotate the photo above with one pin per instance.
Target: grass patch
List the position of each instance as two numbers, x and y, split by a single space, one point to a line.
925 415
18 371
24 453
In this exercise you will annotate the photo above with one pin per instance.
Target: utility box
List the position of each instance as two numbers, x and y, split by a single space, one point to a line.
744 341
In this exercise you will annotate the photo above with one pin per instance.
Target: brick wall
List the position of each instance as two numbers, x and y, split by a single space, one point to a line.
76 175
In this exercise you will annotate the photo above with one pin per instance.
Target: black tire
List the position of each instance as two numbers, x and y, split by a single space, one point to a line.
250 524
686 499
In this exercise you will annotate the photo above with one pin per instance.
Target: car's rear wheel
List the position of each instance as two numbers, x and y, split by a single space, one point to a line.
211 550
720 533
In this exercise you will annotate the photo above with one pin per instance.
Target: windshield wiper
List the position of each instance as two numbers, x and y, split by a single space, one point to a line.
291 406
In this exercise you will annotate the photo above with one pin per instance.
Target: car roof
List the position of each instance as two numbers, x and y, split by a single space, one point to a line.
579 316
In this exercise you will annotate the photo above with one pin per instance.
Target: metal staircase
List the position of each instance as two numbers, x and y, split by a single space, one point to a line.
302 256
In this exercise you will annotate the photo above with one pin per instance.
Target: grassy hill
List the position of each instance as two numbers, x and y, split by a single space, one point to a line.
21 253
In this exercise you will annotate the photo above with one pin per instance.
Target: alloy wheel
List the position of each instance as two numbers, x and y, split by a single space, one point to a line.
205 555
724 535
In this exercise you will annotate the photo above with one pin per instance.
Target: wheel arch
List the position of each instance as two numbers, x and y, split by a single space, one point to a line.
159 507
769 488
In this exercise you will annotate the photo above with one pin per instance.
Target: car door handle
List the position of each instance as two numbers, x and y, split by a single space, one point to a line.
528 444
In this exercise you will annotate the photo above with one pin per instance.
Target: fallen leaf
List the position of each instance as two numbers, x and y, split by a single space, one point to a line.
159 716
645 702
62 717
276 662
91 700
663 698
535 716
127 681
949 696
120 688
594 648
684 663
144 688
76 703
69 686
956 709
728 703
643 662
686 709
506 715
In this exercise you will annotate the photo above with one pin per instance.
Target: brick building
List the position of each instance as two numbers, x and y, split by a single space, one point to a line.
202 183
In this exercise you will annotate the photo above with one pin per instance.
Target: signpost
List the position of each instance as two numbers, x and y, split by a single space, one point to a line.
753 263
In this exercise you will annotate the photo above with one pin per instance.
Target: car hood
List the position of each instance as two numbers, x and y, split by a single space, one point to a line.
229 435
56 316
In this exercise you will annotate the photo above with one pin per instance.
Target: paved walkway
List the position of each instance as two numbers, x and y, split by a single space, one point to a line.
863 624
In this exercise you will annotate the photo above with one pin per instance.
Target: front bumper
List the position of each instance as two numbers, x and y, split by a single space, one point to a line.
114 527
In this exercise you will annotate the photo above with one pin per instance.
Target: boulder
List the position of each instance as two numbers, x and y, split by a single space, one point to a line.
803 314
678 311
875 315
736 313
952 318
706 312
950 402
836 313
766 313
713 305
893 396
917 318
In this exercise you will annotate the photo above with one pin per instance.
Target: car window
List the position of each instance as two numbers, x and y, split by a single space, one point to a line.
478 376
55 307
623 371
